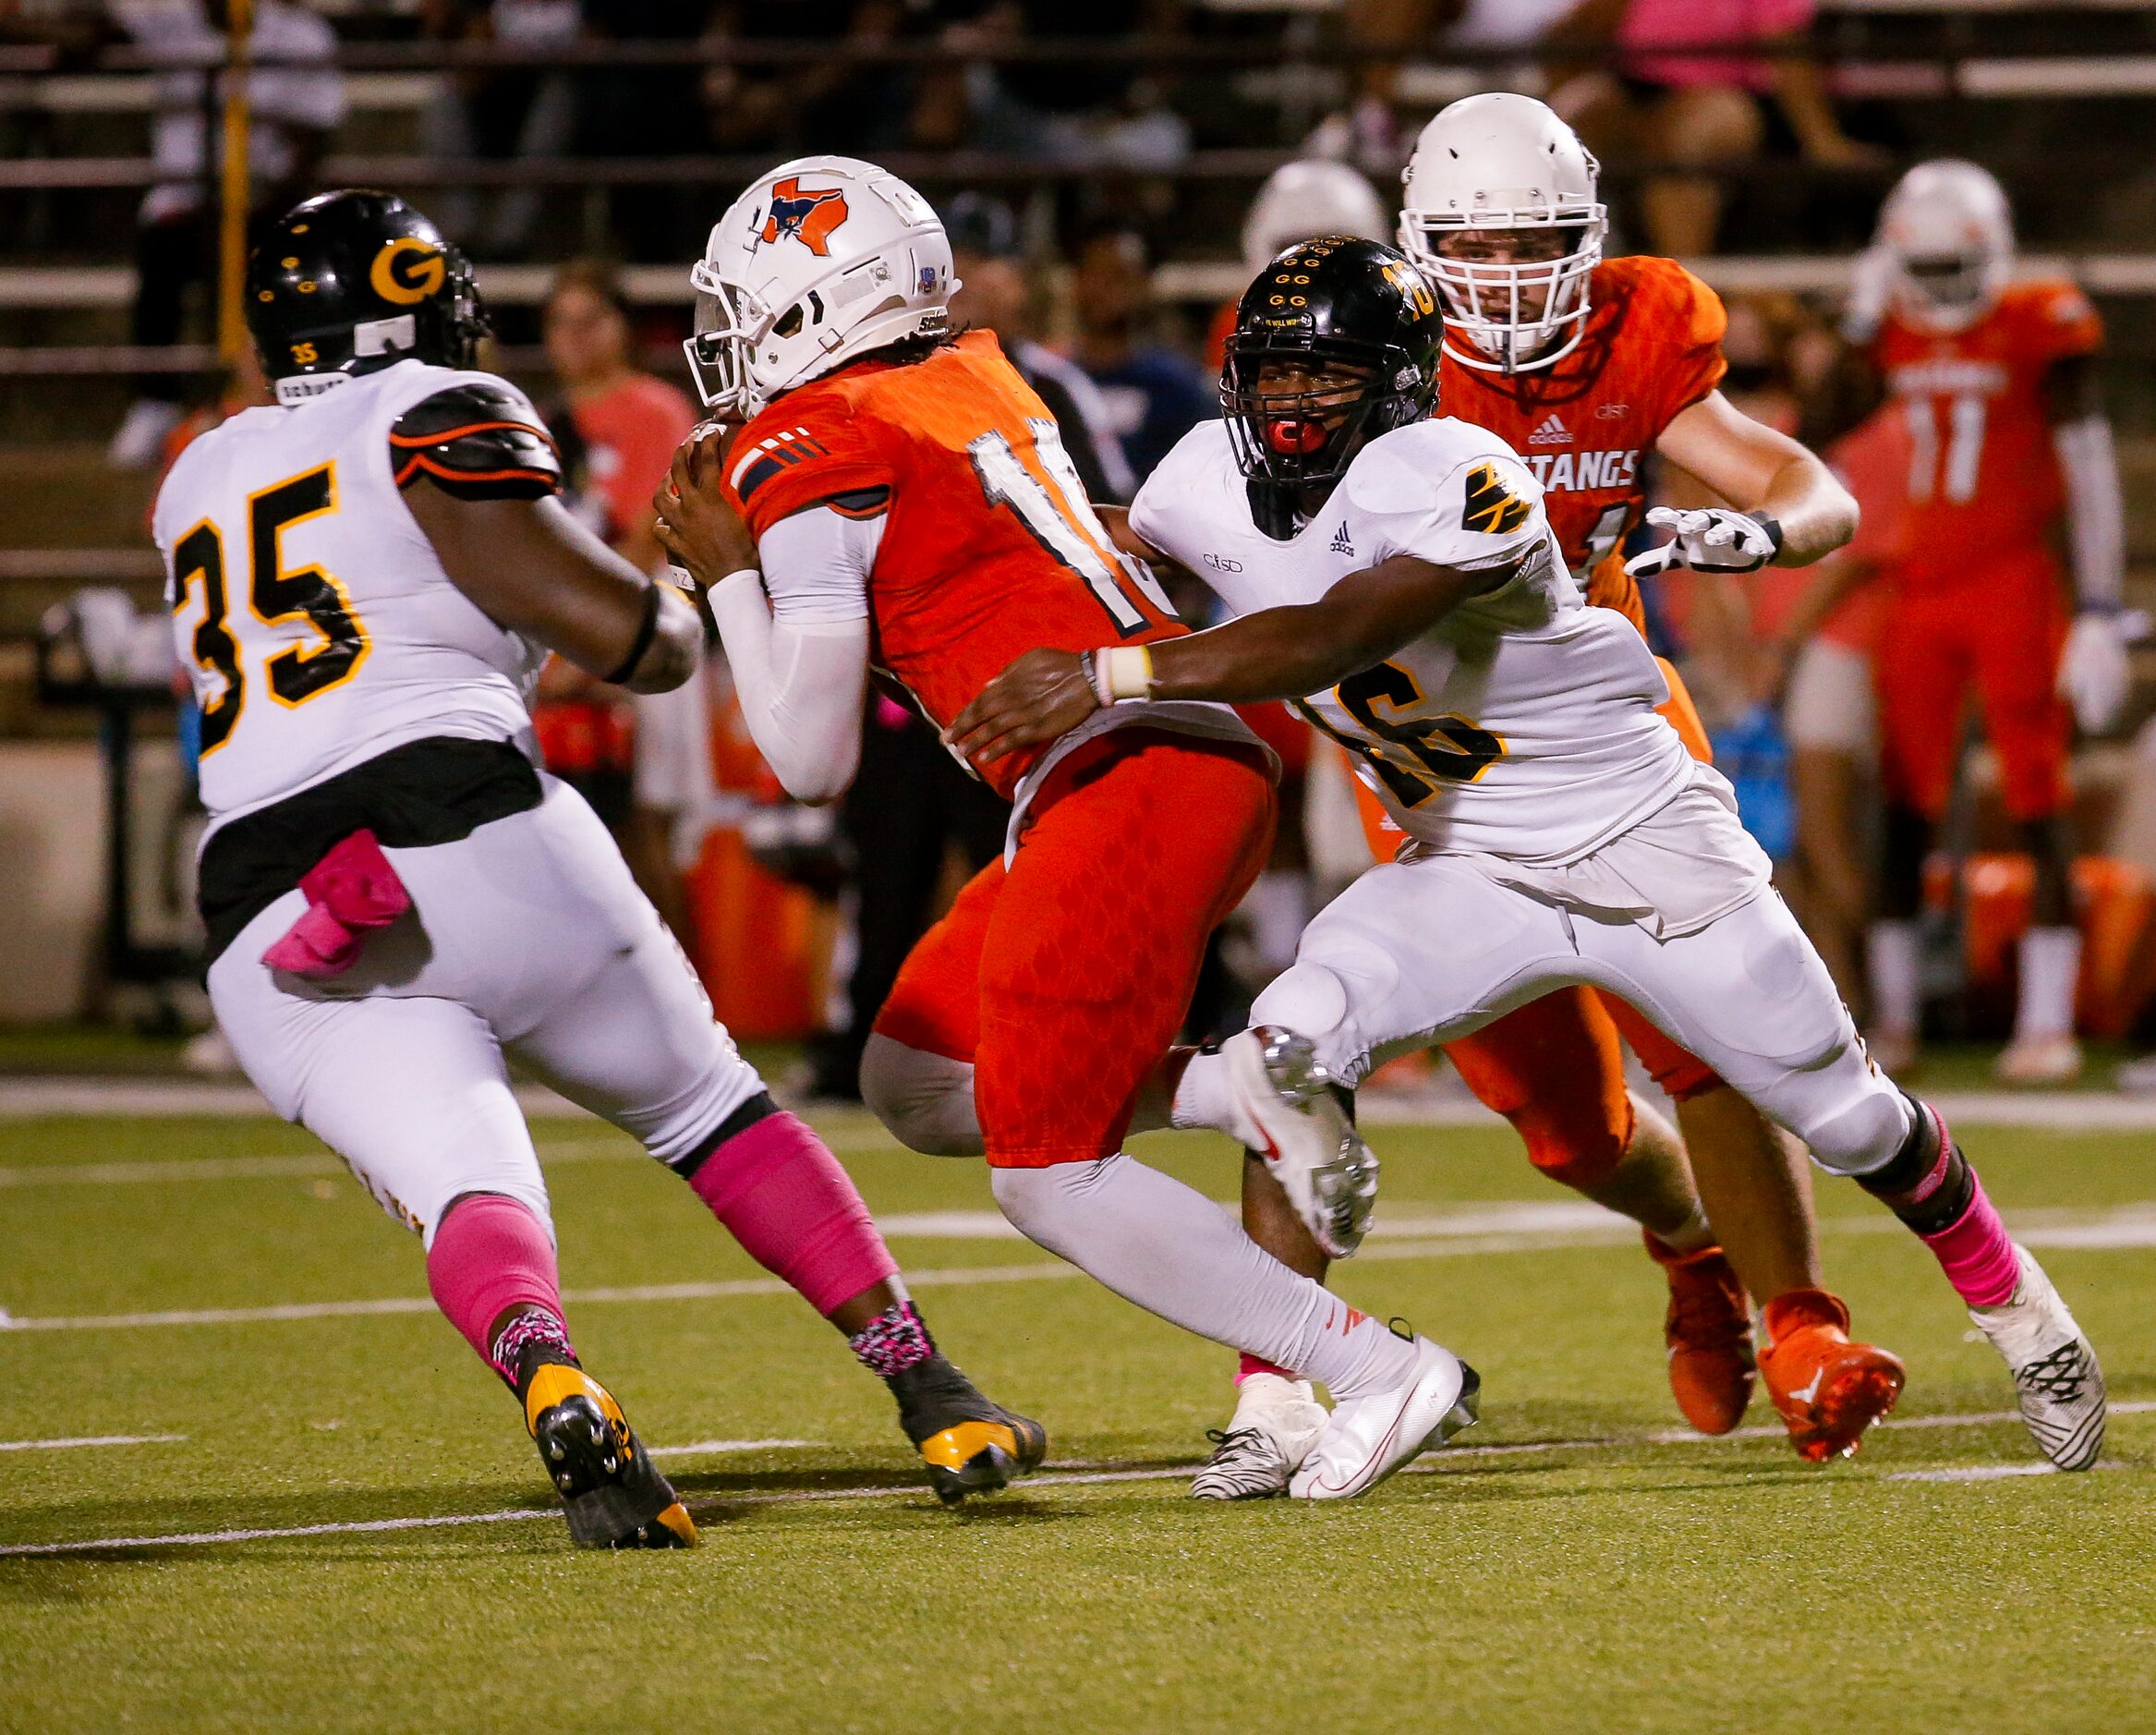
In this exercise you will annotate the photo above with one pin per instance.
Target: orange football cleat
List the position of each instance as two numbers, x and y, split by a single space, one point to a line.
1828 1389
1708 1330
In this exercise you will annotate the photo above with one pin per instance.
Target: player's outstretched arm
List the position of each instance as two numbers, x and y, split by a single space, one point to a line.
1795 510
534 569
1274 653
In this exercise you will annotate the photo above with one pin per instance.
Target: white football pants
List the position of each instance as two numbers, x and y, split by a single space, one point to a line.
1423 950
528 940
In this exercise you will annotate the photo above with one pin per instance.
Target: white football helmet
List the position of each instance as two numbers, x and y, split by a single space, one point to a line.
1503 161
1304 199
1949 231
821 259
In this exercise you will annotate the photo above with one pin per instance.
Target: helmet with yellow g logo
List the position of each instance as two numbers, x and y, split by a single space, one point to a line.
355 281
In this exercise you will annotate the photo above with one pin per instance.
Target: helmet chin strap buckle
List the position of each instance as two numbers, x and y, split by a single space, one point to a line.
1295 436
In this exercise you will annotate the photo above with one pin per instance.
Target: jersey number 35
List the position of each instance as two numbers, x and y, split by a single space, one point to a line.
299 672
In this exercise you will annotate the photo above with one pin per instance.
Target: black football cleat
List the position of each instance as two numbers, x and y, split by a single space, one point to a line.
971 1444
615 1497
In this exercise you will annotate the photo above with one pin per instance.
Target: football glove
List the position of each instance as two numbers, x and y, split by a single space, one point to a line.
1714 538
2095 673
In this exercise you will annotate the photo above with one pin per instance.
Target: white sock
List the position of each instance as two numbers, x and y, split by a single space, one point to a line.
1694 1235
1890 963
2050 964
1175 1253
1203 1098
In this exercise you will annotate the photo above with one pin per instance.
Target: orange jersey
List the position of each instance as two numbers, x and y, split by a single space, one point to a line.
989 548
1984 482
1653 348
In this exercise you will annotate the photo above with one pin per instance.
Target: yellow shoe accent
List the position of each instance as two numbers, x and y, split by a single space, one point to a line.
957 1447
676 1520
556 1381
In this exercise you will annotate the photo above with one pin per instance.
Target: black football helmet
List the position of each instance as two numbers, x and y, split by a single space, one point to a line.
1334 300
353 281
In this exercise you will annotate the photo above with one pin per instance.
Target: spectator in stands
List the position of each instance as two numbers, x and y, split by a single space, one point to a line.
499 113
297 99
994 295
834 104
1367 134
1155 394
618 427
1068 110
1696 111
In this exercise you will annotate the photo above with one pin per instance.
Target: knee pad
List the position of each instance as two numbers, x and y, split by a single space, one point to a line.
924 1100
1311 1001
1859 1128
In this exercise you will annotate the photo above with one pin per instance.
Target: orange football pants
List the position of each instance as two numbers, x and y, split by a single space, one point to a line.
1554 1068
1999 630
1065 977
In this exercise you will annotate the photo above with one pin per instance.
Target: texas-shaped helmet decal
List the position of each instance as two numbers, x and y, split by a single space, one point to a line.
809 217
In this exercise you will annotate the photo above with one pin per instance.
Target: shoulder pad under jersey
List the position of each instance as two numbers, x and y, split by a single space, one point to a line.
479 440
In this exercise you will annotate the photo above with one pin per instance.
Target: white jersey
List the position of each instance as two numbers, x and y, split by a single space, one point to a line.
311 614
1524 723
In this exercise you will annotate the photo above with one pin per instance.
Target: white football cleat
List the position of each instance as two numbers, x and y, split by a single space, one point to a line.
1368 1439
2054 1060
2055 1369
1284 1093
1276 1422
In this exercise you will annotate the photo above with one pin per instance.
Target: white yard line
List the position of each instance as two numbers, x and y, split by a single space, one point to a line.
1976 1473
1433 1465
25 1098
706 1448
89 1440
1496 1227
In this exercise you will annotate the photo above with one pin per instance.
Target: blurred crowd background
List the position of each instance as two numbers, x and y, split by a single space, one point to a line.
1096 165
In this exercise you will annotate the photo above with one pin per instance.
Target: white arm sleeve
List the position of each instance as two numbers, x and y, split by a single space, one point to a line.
2095 514
800 659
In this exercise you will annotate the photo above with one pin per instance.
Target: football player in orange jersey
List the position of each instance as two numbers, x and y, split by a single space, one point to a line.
1996 382
901 494
1588 367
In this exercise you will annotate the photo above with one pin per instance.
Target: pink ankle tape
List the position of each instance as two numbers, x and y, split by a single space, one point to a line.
793 1209
1975 1254
1258 1365
350 892
490 1254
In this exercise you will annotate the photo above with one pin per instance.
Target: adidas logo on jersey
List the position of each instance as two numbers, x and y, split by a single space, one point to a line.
1582 471
1551 433
1341 543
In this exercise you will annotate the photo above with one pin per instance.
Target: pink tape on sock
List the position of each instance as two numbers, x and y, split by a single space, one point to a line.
1258 1365
786 1198
350 892
1975 1254
490 1254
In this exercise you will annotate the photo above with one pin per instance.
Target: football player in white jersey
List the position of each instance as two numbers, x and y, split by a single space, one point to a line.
1399 579
364 580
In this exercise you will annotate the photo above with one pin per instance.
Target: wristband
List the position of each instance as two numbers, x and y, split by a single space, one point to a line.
1125 672
646 633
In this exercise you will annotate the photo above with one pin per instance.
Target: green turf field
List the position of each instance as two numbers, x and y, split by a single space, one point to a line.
1594 1571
